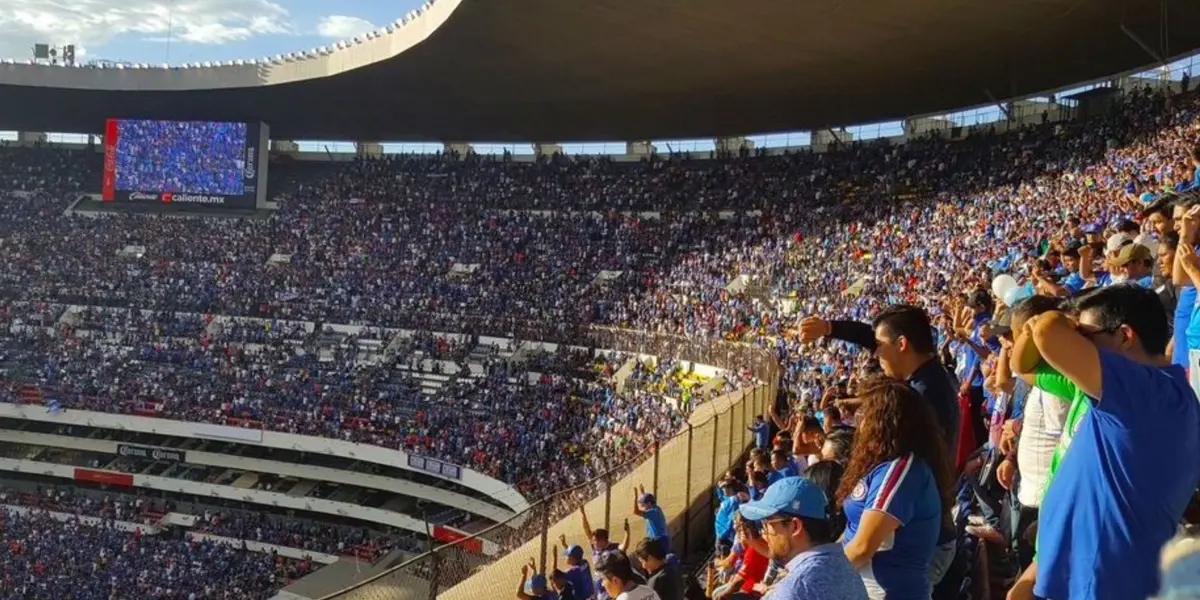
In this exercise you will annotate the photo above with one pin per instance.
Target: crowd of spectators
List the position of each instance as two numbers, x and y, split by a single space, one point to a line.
181 156
913 237
43 557
303 535
1027 296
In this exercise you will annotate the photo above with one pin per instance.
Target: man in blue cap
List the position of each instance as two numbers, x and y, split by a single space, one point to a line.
578 572
646 506
794 514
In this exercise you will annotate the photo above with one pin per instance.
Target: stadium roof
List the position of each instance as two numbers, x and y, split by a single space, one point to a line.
554 70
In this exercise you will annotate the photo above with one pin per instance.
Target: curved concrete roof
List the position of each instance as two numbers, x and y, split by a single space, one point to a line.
549 70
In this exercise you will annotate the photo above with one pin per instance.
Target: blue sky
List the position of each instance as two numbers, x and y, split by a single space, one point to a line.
182 31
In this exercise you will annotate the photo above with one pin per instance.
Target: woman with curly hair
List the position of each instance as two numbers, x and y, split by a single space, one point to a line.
896 492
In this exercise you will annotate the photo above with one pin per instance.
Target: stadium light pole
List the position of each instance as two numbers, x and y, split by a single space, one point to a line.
170 29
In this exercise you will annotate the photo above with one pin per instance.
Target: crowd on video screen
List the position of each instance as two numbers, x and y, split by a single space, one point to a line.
195 157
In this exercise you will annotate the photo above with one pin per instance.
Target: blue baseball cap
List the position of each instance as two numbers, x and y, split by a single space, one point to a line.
792 496
574 552
1093 228
538 582
646 499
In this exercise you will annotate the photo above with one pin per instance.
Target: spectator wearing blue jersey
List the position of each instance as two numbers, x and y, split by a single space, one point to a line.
646 507
781 466
896 492
1124 484
735 495
762 433
579 572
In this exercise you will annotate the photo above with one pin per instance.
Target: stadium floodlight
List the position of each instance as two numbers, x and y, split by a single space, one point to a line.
358 39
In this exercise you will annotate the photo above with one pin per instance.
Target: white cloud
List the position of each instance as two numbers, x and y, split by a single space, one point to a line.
93 23
342 27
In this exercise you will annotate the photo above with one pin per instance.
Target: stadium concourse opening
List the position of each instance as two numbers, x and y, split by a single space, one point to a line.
457 376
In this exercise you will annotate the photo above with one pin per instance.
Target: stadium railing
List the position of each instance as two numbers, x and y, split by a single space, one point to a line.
680 471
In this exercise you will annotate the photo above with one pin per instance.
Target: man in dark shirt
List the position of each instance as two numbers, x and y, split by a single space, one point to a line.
903 339
662 576
562 586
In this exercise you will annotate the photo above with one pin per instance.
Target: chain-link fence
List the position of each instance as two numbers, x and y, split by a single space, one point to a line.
680 472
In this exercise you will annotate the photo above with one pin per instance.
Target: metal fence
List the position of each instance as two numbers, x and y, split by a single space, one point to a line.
681 472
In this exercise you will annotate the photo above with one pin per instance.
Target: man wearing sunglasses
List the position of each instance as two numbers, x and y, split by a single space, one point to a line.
794 515
1123 485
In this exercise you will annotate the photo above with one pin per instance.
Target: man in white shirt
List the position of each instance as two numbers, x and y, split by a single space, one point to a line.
1038 431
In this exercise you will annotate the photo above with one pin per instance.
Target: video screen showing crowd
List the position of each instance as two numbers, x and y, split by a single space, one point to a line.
989 343
181 156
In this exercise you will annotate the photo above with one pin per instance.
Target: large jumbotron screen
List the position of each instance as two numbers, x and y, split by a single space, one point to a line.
185 162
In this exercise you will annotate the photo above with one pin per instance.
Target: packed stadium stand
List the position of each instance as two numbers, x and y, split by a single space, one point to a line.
863 369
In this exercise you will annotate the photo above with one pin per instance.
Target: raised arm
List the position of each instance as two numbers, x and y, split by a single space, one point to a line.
859 334
1189 227
1063 347
521 593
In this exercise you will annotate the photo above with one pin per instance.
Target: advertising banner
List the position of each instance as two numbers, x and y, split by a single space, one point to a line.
151 453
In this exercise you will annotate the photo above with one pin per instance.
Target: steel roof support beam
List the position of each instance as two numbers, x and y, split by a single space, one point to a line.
1145 47
1005 107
